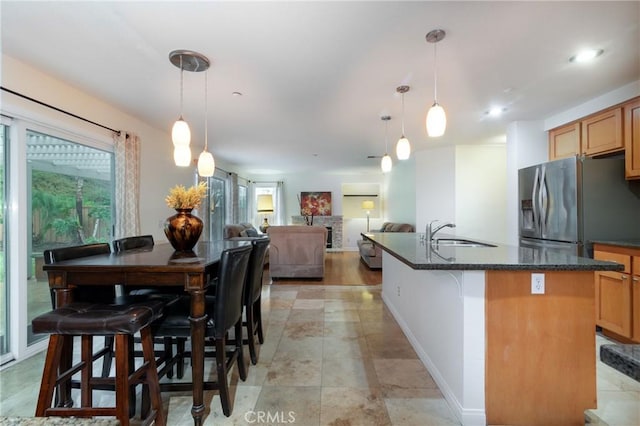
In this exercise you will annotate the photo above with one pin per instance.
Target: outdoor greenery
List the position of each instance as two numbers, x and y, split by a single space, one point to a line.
69 209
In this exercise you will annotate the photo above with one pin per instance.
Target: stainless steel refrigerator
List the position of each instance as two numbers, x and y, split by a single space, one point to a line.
566 204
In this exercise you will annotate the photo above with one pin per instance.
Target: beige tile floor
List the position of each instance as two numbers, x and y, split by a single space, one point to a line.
333 355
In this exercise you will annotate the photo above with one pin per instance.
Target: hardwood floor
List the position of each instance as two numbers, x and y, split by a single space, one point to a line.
340 268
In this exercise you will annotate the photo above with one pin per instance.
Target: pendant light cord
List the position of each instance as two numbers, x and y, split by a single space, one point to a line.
403 114
206 111
181 86
386 133
435 73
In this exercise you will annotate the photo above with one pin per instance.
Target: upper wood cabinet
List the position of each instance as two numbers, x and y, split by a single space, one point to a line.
564 141
602 133
616 129
632 139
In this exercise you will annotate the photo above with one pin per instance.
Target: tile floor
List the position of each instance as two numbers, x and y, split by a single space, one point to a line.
333 355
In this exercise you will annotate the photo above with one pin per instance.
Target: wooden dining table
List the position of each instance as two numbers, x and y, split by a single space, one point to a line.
159 266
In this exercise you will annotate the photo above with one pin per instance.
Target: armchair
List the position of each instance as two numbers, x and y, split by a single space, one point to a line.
297 251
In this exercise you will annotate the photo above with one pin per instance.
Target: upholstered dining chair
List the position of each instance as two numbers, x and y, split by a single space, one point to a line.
253 296
224 312
95 311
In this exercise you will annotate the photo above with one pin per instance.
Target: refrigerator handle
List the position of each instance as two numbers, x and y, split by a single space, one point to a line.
534 206
542 202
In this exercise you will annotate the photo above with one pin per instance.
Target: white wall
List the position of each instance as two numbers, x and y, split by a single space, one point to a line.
400 190
435 186
466 185
481 179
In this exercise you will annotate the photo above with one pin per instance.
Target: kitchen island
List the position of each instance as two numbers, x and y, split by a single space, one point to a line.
507 333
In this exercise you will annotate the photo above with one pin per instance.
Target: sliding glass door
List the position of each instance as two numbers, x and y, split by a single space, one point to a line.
70 192
4 288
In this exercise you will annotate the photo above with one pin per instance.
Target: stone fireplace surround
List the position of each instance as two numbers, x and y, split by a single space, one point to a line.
335 222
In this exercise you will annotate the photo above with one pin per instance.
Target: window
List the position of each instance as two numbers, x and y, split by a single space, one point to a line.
4 289
70 194
216 205
243 207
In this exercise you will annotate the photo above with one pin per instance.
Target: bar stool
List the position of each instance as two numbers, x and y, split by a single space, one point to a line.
88 320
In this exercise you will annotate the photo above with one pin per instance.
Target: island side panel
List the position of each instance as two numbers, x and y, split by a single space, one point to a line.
540 348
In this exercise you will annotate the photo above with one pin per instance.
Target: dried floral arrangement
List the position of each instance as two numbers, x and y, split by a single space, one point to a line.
186 198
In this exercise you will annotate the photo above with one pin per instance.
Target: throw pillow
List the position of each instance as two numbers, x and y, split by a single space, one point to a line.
251 232
243 233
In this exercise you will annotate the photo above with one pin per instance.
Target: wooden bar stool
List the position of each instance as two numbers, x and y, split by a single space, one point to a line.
88 320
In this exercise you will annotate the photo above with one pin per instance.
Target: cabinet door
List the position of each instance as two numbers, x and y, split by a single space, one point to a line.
632 140
564 141
602 133
613 300
635 293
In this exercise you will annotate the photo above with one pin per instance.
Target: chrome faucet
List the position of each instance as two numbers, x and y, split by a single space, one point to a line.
431 232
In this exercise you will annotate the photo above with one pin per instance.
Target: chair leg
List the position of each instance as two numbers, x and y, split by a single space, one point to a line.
257 314
132 368
86 354
180 343
49 374
242 369
221 367
107 360
122 378
63 393
168 354
153 384
251 338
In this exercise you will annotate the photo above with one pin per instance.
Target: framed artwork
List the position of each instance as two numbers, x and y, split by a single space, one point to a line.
315 203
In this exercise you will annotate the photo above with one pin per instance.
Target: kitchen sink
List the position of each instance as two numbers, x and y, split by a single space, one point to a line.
457 242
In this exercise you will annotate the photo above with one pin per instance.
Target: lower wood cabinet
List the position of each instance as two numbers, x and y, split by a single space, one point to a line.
617 296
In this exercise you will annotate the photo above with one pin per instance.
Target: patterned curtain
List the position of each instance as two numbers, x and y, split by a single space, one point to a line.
127 165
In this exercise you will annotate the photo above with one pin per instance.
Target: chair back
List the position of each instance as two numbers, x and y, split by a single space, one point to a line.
131 243
232 273
253 286
82 293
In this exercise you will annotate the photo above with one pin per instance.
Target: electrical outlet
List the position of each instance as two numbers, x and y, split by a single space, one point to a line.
537 283
398 291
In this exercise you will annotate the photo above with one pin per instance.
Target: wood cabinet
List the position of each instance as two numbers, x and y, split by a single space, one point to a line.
616 129
617 297
564 141
602 133
632 139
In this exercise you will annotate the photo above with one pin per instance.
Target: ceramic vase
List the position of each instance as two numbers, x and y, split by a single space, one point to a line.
183 230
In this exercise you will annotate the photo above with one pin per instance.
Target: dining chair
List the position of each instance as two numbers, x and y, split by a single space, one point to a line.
86 293
101 299
88 320
224 311
252 298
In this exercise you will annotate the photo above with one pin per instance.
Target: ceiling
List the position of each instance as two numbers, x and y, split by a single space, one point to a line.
316 77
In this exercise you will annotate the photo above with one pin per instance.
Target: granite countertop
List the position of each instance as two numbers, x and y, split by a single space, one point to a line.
634 244
411 249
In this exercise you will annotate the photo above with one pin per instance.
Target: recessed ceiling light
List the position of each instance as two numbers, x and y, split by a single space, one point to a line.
586 55
496 111
236 93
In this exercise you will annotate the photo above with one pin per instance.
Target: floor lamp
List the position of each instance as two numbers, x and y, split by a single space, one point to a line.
265 206
368 206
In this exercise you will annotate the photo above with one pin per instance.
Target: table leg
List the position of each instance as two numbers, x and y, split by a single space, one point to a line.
198 320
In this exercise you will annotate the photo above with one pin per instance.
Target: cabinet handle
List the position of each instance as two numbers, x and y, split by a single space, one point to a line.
623 276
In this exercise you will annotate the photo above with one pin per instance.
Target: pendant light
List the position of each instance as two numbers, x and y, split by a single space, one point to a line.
206 163
436 117
186 60
403 147
386 164
180 133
